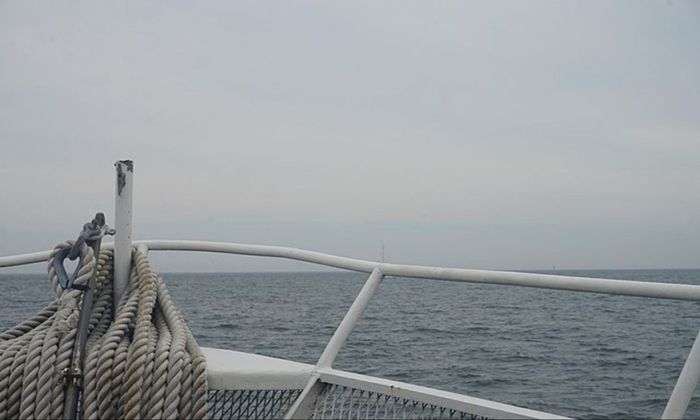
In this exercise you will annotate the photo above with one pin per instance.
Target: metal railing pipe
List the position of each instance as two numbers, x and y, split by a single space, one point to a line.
543 281
549 281
351 317
24 259
685 385
262 251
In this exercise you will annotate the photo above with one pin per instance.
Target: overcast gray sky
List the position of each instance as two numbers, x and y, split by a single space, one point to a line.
513 135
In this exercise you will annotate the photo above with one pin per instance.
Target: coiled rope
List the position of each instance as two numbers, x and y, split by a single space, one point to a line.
141 362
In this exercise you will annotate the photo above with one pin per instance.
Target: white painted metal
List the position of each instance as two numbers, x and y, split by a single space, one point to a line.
24 259
446 399
227 369
122 224
685 385
351 317
544 281
303 407
263 251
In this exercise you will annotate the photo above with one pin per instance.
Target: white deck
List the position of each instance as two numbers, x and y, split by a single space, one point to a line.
228 369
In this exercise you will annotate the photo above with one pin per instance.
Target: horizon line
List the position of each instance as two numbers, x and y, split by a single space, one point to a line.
340 270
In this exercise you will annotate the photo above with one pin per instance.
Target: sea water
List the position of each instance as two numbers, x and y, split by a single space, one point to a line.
576 354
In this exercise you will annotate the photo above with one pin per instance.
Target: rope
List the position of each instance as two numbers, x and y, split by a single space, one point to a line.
141 359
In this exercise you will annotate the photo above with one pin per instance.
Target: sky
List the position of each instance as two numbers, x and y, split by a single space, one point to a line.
496 135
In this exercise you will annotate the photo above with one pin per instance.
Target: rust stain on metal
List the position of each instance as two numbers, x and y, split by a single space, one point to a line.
129 164
121 176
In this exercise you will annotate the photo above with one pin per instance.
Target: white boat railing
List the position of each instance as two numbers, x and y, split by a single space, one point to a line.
676 406
542 281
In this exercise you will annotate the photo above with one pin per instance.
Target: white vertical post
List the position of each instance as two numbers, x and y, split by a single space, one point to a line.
122 224
685 385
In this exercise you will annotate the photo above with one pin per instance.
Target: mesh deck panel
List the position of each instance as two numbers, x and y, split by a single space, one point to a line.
341 402
334 402
250 404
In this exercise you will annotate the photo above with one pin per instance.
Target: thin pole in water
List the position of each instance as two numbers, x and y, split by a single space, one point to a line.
122 224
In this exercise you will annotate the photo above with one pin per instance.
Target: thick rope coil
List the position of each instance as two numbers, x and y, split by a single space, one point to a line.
141 359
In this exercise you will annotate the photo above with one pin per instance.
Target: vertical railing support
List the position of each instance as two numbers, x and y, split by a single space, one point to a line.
351 318
685 385
303 407
122 224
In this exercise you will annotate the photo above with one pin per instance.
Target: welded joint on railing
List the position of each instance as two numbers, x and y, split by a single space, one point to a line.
303 407
351 317
685 385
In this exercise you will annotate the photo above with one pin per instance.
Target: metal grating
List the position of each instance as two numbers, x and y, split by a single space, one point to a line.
250 404
341 402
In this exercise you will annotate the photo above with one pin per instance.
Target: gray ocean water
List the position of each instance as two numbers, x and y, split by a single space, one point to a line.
576 354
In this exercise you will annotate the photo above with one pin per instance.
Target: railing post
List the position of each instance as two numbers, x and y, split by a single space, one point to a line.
351 318
122 224
303 407
685 385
